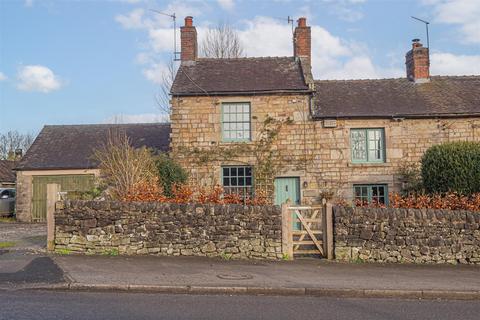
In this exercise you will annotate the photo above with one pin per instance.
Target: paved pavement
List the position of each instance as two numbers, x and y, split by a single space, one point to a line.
296 277
39 305
24 236
23 260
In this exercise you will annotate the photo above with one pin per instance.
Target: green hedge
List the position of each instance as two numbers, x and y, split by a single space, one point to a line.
169 173
453 166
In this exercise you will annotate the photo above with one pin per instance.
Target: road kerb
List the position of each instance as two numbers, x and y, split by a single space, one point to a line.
158 289
217 290
282 291
273 291
457 295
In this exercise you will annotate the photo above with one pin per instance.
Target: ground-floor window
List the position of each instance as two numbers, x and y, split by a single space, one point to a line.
238 179
370 193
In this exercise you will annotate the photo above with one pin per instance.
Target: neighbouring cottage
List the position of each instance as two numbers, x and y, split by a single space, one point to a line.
63 155
265 124
7 175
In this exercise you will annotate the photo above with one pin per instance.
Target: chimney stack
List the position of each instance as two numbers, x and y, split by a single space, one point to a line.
188 39
302 40
417 62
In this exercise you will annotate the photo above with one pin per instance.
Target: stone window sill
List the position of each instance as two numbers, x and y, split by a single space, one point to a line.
367 165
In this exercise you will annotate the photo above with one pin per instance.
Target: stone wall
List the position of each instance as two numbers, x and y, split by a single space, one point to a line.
23 202
229 231
319 156
406 235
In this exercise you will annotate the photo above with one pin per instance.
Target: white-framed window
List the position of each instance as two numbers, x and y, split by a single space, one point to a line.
236 121
368 145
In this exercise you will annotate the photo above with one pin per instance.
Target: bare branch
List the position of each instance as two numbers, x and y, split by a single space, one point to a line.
12 141
163 96
222 42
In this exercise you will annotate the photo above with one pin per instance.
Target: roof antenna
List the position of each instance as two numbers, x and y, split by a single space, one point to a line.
174 18
426 27
290 21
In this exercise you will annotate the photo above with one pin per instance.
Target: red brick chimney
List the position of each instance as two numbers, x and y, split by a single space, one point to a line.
188 39
302 40
417 61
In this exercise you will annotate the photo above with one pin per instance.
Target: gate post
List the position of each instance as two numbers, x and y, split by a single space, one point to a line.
287 236
52 196
329 230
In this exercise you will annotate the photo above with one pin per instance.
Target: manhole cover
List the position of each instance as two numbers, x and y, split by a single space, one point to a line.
235 276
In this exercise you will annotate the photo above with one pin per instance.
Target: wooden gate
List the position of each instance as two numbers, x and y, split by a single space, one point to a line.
307 230
68 183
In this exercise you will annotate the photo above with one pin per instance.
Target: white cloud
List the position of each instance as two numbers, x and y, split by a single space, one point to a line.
346 10
28 3
332 57
134 20
138 118
156 72
226 4
465 13
450 64
37 78
2 76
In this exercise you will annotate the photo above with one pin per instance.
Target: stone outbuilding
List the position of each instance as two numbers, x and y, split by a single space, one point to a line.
63 154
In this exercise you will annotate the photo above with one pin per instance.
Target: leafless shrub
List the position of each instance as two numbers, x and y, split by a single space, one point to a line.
122 166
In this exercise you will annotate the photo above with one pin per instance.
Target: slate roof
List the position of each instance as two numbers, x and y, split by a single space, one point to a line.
241 75
72 146
6 171
441 97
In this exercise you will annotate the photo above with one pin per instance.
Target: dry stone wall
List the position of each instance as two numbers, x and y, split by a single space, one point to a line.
229 231
406 235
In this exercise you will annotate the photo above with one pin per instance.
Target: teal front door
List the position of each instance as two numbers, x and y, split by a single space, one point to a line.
288 189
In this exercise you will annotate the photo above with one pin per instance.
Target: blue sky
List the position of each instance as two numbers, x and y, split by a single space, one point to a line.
66 62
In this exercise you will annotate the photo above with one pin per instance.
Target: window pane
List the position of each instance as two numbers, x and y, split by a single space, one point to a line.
358 145
237 180
236 120
367 145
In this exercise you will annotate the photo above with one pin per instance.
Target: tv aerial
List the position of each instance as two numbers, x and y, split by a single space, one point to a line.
174 18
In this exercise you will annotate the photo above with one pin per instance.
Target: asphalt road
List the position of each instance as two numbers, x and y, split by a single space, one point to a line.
89 305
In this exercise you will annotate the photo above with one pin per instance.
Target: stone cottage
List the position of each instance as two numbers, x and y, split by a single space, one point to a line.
63 155
265 124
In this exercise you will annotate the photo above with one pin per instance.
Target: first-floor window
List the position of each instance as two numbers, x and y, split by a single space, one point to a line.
368 145
238 180
370 193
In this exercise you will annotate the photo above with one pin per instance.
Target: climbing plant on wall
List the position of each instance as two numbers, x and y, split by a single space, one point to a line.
263 152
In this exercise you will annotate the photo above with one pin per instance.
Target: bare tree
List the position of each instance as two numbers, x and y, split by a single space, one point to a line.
163 96
222 42
123 167
12 141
